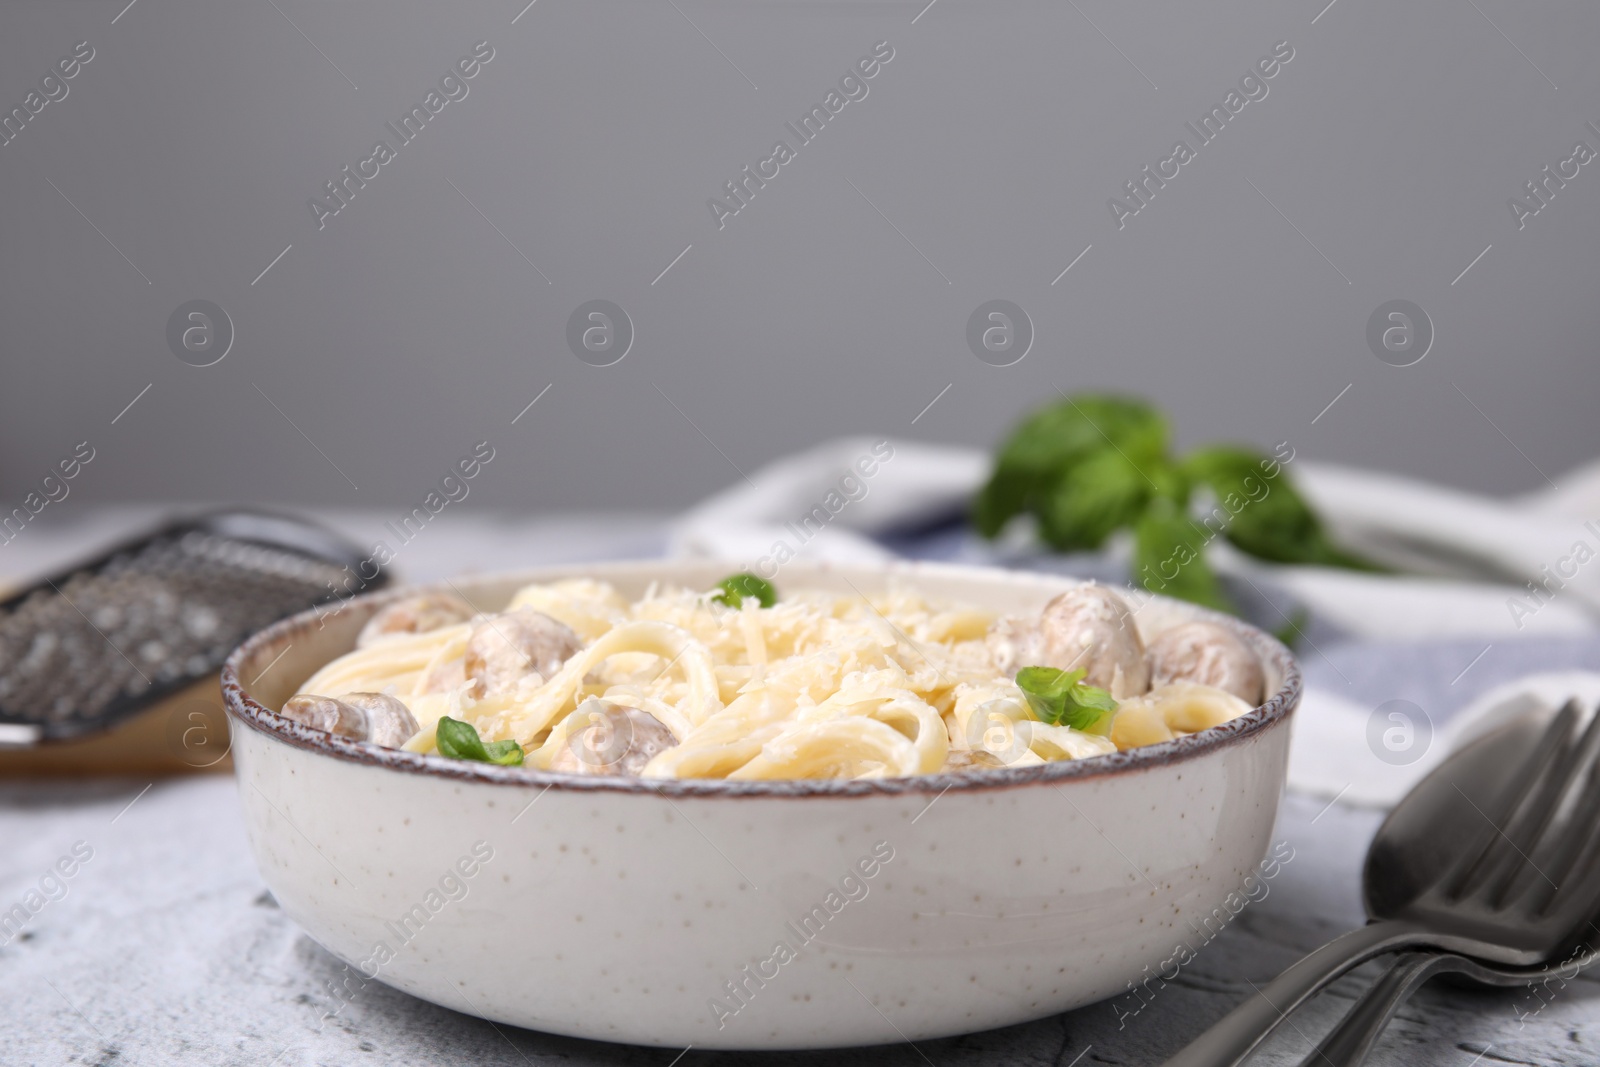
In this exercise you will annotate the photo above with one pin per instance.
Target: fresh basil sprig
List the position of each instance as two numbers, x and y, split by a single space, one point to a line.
736 587
1091 465
1061 698
460 740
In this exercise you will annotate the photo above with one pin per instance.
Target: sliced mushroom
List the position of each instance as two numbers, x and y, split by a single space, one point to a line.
617 740
415 615
503 649
1210 654
326 713
375 717
1088 628
389 722
1091 627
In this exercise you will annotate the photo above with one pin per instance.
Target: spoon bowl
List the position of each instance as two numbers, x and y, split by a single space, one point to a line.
1425 835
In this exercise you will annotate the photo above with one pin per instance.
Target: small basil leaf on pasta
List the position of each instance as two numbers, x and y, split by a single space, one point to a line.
736 587
1061 698
505 753
460 740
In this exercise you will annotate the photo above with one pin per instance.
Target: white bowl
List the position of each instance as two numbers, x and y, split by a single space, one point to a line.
796 914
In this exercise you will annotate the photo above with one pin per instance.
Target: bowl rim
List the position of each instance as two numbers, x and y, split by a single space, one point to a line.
1279 706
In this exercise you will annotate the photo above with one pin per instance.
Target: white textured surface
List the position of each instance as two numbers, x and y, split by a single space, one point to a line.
166 950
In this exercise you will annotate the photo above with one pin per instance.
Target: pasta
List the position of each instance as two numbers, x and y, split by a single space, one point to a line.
690 684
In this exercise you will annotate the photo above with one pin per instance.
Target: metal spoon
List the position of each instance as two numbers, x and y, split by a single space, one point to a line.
1449 869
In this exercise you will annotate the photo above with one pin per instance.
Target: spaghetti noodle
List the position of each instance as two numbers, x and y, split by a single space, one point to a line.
813 686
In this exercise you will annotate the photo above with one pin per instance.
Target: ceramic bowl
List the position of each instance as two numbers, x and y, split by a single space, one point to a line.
794 914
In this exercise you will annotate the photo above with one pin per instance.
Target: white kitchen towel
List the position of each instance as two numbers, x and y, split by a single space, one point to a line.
1347 751
1484 566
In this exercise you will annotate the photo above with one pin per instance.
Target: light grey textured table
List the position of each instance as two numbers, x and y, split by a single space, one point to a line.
167 949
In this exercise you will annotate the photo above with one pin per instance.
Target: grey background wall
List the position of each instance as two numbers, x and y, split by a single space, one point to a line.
432 309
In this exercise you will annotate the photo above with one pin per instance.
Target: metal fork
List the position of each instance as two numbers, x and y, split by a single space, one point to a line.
1493 903
1348 1043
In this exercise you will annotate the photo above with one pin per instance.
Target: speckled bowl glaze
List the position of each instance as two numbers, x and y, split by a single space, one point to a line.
799 914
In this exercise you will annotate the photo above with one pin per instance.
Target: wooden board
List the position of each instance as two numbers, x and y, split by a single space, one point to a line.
186 733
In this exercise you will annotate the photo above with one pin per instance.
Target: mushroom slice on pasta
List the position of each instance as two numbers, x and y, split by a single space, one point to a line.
503 649
1210 654
1089 628
603 738
415 615
375 717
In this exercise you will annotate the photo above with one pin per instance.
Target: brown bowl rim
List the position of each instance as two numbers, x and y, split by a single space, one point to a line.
258 716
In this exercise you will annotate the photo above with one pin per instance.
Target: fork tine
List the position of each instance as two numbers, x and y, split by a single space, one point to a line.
1573 902
1532 832
1531 778
1581 840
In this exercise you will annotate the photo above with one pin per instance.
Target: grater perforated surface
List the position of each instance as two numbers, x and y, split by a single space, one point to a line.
82 650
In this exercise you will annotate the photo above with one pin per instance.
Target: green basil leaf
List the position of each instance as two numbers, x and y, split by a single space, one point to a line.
1262 516
1092 711
460 740
1261 513
736 587
1046 690
1061 698
1228 468
505 753
1169 557
1282 528
1099 496
1047 445
1002 498
1092 697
